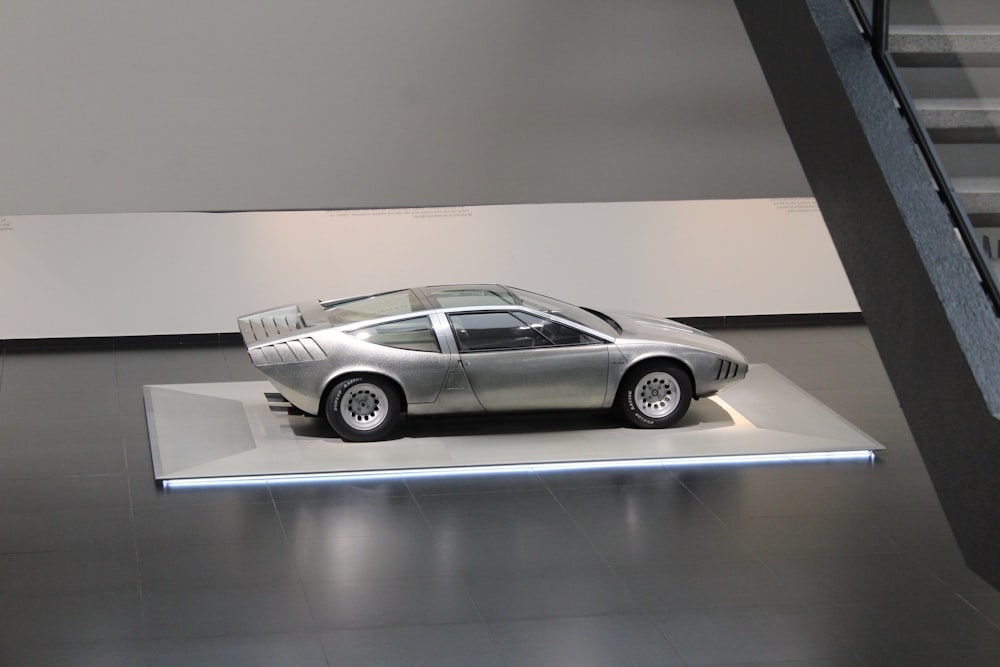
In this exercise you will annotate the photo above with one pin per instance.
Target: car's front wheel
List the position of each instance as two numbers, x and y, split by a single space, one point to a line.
362 408
655 395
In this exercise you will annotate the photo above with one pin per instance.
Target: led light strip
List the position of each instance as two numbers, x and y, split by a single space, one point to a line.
405 473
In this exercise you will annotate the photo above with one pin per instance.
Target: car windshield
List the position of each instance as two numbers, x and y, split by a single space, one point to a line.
359 309
561 308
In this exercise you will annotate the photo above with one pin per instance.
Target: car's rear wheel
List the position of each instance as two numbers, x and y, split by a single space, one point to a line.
363 408
655 395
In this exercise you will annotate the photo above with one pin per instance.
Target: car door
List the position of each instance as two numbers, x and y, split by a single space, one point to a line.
519 361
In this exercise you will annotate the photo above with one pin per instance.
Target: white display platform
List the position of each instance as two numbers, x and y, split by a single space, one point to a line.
227 429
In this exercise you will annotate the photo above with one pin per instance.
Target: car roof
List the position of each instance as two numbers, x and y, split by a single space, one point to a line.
467 295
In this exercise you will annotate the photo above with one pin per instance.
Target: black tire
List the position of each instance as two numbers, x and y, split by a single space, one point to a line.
362 408
655 395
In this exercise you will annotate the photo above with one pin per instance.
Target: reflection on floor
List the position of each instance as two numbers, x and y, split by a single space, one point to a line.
804 564
226 429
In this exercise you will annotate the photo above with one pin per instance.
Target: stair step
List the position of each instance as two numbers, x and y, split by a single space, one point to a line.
945 46
980 196
961 120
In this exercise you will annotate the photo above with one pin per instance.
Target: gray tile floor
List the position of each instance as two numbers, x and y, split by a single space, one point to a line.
811 564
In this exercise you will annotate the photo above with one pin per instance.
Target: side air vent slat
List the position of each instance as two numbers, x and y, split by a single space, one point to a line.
279 322
304 349
298 351
727 370
269 326
258 329
285 352
314 350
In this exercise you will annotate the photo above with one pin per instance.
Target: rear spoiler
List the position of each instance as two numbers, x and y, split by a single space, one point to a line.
276 322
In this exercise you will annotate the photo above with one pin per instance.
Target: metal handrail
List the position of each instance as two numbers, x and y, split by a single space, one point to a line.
876 30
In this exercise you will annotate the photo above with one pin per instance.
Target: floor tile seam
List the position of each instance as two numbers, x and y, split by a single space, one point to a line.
505 648
437 532
970 603
539 573
640 615
72 594
898 600
332 661
287 543
284 541
162 500
76 595
792 605
374 531
872 521
84 550
660 620
462 579
68 644
555 617
272 629
289 584
118 509
158 587
135 536
757 556
846 331
658 564
268 634
73 476
929 504
591 487
781 515
911 554
167 543
455 576
165 506
868 600
151 644
281 500
492 492
891 548
861 556
321 630
22 599
150 553
640 602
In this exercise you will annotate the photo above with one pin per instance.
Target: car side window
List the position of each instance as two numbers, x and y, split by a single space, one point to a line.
415 333
555 333
494 331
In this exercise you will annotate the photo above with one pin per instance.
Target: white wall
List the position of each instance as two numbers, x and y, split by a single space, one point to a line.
112 108
167 273
226 105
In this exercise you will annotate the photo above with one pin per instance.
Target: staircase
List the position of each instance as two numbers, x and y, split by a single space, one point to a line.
953 74
923 289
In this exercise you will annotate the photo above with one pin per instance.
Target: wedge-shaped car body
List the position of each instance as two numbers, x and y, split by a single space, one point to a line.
362 361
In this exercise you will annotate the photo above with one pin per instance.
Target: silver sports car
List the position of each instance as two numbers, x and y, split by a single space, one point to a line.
363 361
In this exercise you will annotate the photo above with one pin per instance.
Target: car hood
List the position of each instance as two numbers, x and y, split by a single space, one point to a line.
640 328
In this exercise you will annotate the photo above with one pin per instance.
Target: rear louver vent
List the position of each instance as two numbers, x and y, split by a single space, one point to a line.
267 326
303 349
728 370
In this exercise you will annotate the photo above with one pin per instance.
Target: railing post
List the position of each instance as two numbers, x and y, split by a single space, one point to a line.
880 26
